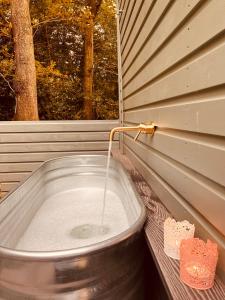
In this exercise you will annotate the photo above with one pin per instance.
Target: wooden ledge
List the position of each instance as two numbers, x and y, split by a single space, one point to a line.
168 268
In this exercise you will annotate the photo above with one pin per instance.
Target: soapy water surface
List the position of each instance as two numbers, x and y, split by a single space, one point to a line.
87 231
71 220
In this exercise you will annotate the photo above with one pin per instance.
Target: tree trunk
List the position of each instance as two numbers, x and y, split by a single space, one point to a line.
89 60
25 76
88 70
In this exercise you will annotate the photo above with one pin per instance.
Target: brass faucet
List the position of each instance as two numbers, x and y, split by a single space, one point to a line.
148 128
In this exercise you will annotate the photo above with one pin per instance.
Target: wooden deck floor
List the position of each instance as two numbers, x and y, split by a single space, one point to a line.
168 268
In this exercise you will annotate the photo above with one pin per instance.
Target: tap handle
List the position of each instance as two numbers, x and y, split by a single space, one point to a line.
137 135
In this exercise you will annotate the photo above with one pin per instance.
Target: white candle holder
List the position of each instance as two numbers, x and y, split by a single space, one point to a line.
174 233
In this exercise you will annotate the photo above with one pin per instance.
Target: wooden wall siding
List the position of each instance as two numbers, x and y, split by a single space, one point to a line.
173 70
168 268
25 145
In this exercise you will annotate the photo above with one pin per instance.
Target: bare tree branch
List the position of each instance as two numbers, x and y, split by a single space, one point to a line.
47 21
8 83
37 26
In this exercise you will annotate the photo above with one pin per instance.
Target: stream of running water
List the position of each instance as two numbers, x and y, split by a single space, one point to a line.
106 183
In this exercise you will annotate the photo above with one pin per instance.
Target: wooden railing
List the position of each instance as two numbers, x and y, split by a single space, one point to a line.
25 145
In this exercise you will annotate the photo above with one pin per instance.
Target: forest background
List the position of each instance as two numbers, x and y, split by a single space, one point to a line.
70 84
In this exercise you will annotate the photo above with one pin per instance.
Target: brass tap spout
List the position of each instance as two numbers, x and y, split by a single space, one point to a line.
148 128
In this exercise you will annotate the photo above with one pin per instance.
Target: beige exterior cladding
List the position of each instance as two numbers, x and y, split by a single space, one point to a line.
25 145
173 69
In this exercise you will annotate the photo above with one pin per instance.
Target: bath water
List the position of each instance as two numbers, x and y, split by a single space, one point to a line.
70 219
106 183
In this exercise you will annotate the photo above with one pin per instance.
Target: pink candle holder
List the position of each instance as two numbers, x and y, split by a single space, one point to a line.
174 233
198 263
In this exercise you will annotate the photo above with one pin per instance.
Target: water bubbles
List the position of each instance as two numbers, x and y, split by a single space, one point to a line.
87 231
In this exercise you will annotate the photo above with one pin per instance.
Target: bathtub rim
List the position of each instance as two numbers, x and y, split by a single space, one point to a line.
90 249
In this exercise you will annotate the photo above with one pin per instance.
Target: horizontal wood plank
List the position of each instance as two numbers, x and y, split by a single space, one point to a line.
51 147
126 44
132 21
18 167
191 150
172 20
205 196
121 3
209 69
8 186
124 13
183 43
129 13
153 18
2 195
40 157
204 114
54 137
4 177
57 126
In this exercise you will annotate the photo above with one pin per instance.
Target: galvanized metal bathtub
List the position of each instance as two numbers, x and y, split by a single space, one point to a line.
41 255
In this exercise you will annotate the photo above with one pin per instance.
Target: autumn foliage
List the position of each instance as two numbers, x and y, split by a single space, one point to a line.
59 31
